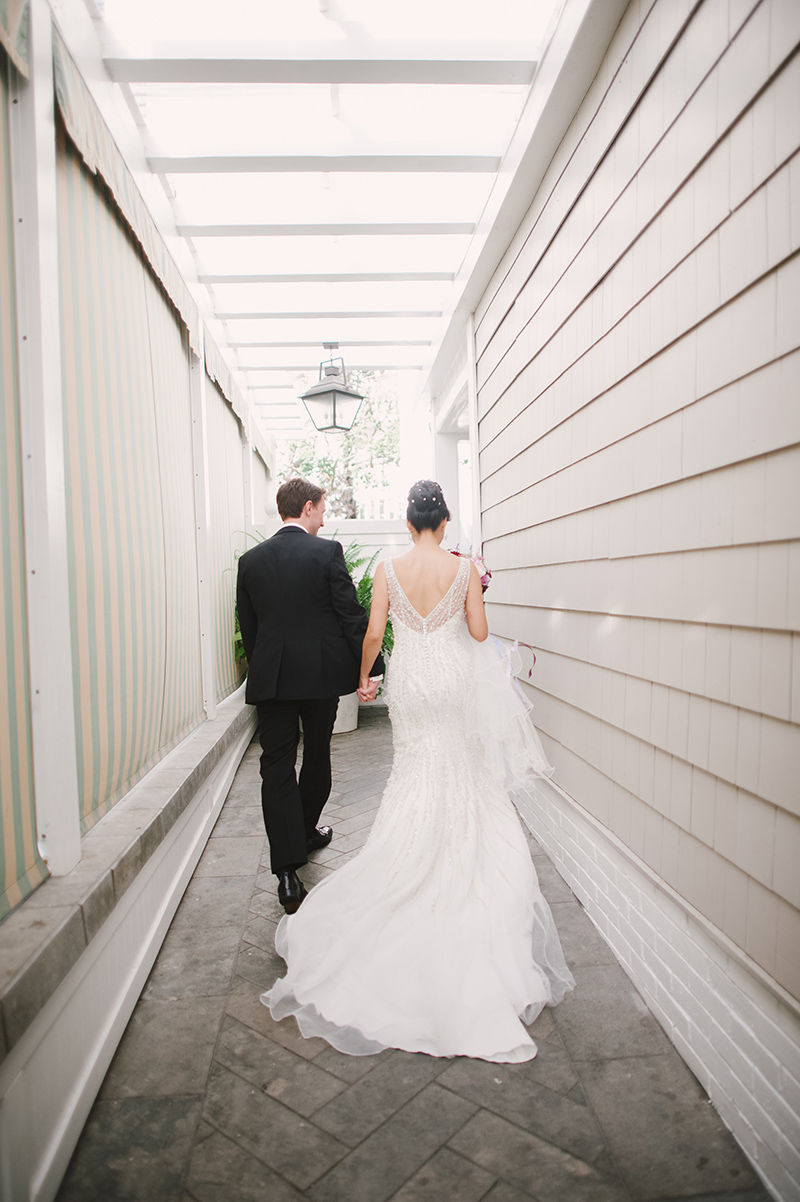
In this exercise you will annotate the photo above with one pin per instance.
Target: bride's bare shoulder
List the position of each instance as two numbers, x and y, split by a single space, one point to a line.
436 563
452 564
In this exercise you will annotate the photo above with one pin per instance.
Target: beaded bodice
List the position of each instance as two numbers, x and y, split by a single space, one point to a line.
450 606
428 672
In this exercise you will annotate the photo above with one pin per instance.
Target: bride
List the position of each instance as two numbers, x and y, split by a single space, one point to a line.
436 937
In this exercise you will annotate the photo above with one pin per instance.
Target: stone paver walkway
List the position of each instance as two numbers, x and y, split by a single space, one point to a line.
209 1100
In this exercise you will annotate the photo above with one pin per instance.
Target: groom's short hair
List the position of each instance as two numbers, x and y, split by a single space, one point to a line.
292 496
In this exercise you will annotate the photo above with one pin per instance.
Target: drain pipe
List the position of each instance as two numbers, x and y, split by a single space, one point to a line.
474 435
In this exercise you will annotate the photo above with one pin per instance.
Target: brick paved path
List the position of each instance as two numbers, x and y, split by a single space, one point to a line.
209 1100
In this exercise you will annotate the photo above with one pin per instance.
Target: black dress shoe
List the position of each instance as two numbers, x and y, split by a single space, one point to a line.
291 891
321 838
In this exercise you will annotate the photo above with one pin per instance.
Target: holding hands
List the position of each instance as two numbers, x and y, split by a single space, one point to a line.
370 649
368 688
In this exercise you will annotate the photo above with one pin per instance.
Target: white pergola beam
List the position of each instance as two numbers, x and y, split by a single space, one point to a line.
342 345
353 277
273 315
331 230
239 164
321 71
296 367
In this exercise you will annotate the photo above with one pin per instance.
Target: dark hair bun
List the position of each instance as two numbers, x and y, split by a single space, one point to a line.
426 505
423 499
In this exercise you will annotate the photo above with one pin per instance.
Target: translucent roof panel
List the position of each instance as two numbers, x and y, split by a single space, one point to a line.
313 331
222 118
331 253
247 28
299 358
215 199
334 165
331 296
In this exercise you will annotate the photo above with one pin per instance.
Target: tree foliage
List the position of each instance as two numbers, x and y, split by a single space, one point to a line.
348 464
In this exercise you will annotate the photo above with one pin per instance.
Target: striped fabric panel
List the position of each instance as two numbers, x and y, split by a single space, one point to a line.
22 868
227 530
114 511
182 684
261 491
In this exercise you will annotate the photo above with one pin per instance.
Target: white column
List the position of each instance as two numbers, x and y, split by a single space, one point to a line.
446 473
202 512
474 435
416 432
33 158
247 476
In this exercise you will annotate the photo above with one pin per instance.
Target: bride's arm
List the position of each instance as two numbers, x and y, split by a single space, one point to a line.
378 615
476 614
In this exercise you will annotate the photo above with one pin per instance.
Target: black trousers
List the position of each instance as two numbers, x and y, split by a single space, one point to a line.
291 807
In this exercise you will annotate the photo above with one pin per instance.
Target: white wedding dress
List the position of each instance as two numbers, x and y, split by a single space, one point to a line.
436 937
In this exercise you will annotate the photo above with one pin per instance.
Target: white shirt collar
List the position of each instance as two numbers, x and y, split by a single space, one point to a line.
295 522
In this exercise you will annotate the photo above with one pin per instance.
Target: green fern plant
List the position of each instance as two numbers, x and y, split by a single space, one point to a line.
355 558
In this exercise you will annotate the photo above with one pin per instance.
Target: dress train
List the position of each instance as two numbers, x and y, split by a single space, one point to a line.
435 938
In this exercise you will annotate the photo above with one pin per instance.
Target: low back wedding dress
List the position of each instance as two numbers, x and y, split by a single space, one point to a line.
436 937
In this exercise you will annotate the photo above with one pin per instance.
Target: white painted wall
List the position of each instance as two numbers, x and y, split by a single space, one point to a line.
638 374
384 537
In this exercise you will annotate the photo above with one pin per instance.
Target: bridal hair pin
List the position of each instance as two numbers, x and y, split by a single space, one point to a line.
436 497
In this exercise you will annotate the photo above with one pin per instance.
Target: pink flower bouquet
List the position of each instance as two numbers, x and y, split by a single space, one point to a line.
483 571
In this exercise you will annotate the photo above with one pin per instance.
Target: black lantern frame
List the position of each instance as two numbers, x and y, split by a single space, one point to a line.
330 404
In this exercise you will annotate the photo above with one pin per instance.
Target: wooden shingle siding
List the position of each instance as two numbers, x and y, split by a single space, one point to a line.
638 359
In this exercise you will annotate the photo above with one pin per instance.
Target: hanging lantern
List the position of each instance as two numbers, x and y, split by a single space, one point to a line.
331 405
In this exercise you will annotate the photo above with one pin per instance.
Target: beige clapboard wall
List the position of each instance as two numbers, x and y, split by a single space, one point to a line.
638 360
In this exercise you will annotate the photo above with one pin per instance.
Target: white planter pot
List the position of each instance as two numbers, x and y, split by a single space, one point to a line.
347 714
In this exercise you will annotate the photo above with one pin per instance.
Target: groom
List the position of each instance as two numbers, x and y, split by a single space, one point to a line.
302 629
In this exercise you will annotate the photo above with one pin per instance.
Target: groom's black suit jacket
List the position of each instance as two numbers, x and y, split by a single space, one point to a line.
302 626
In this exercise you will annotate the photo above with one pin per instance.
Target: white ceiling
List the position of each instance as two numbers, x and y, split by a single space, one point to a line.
330 163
